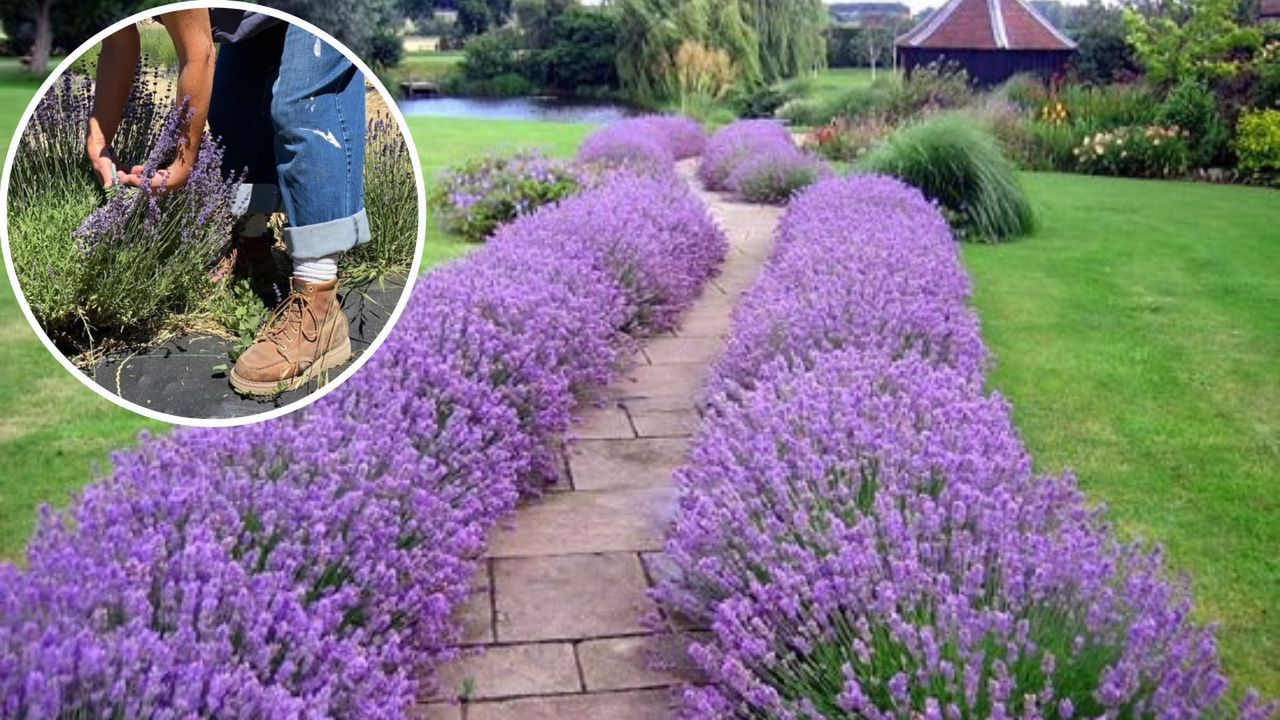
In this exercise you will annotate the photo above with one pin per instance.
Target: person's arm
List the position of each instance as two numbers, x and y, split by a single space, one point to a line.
193 41
116 62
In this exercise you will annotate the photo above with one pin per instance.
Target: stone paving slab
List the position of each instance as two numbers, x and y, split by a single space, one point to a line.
504 671
654 381
632 705
667 424
607 464
476 614
602 423
569 597
705 325
639 662
680 350
632 519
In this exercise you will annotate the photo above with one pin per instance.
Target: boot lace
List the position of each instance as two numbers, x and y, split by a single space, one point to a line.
288 321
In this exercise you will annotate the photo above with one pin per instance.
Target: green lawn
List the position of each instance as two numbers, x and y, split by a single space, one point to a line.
1138 336
445 141
833 82
53 429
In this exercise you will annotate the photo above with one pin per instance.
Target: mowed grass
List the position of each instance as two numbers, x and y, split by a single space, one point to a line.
1137 334
831 83
445 142
53 430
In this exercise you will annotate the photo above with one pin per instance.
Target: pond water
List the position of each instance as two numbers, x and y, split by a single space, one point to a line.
547 109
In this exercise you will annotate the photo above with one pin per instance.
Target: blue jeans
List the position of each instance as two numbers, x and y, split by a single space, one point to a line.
289 110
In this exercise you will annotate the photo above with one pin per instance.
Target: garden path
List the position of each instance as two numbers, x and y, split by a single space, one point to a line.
560 609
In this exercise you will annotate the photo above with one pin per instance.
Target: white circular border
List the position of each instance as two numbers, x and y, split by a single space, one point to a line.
369 76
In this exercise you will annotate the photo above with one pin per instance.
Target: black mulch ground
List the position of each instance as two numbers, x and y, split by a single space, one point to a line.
179 378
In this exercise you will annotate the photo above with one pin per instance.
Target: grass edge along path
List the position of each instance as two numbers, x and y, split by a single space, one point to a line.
1137 333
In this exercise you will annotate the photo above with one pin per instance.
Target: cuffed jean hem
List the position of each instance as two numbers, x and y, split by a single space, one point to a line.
327 238
256 198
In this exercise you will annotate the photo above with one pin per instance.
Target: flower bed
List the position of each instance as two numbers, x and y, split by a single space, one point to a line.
309 566
475 199
759 161
859 523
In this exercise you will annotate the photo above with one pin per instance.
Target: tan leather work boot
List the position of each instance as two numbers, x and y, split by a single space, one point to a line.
305 336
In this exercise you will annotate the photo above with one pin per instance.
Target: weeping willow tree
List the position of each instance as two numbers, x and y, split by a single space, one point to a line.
790 36
651 33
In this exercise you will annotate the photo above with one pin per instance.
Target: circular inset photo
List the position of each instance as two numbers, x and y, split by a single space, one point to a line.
212 214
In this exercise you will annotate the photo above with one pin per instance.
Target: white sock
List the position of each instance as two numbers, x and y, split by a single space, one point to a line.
314 270
255 225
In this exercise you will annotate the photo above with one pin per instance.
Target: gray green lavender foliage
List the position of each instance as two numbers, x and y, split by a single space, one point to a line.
391 201
123 262
961 167
92 261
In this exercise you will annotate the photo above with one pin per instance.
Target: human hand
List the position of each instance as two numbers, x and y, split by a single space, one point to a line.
104 162
169 178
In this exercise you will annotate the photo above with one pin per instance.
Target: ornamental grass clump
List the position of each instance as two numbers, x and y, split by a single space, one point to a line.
88 267
488 191
311 566
956 163
736 142
859 524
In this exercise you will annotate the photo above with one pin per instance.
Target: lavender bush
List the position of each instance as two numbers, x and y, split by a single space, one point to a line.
736 142
647 143
140 255
476 198
309 566
860 526
391 201
775 174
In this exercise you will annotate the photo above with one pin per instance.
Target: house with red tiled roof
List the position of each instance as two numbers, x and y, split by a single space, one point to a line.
991 39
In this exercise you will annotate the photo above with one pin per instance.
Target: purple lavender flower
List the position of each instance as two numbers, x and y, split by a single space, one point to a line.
736 142
859 523
309 566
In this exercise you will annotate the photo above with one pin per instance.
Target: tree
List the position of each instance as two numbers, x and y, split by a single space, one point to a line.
536 18
41 27
1186 40
790 34
650 33
582 52
1102 54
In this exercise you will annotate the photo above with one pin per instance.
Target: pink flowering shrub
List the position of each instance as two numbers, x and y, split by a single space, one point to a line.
859 524
309 566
